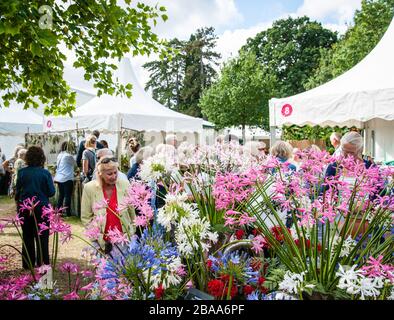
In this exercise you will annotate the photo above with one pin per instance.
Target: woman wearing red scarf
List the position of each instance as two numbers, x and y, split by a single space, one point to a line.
107 188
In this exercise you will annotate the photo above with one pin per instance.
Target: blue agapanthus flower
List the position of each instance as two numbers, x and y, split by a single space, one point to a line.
234 262
253 296
149 252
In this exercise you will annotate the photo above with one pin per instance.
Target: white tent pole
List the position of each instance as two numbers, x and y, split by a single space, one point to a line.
366 137
272 135
120 122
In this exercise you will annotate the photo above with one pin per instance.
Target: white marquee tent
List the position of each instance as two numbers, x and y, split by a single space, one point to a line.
361 97
111 113
14 123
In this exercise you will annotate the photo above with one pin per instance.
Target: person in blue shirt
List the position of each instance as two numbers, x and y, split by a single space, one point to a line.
351 145
64 177
34 181
283 151
140 156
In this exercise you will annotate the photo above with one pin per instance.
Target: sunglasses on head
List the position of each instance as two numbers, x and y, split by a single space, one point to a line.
107 160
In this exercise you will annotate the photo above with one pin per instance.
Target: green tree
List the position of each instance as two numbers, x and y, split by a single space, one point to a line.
167 76
370 24
179 81
32 34
291 50
200 59
240 96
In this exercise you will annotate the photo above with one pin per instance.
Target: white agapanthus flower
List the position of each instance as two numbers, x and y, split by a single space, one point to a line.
156 167
174 209
369 287
348 278
347 245
355 283
167 277
192 233
294 282
391 296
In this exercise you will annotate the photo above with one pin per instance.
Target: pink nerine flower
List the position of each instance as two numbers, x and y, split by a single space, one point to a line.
233 218
138 195
117 237
44 269
181 271
88 287
375 268
69 267
189 284
2 261
141 221
245 219
55 223
71 296
103 204
29 204
231 188
258 243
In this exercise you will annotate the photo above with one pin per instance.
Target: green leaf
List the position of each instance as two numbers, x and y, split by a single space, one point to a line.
35 48
11 29
164 17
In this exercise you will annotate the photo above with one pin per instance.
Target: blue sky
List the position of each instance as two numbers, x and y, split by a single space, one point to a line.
256 11
237 20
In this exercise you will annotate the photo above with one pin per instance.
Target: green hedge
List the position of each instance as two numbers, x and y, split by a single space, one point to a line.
308 133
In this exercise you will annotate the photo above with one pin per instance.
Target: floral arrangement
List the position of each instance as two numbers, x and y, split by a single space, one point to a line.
238 227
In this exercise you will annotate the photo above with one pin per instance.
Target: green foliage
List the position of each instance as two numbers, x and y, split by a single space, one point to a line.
274 278
200 57
178 81
240 96
309 133
370 24
291 50
33 38
167 75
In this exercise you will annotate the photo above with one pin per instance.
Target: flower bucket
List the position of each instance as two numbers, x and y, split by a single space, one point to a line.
358 227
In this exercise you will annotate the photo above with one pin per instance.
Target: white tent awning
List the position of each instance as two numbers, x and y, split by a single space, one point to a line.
140 112
363 93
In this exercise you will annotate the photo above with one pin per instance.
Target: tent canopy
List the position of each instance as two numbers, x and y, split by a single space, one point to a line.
363 93
110 113
14 123
14 120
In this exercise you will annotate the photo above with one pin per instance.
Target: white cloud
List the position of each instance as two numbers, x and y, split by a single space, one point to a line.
230 42
340 10
185 17
341 28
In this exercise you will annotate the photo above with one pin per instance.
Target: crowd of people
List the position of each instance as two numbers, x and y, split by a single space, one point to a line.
24 176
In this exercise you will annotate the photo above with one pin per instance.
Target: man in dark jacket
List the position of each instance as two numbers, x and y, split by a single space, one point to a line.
81 147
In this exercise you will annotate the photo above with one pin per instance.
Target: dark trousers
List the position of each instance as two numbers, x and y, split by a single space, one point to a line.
5 181
65 193
32 239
